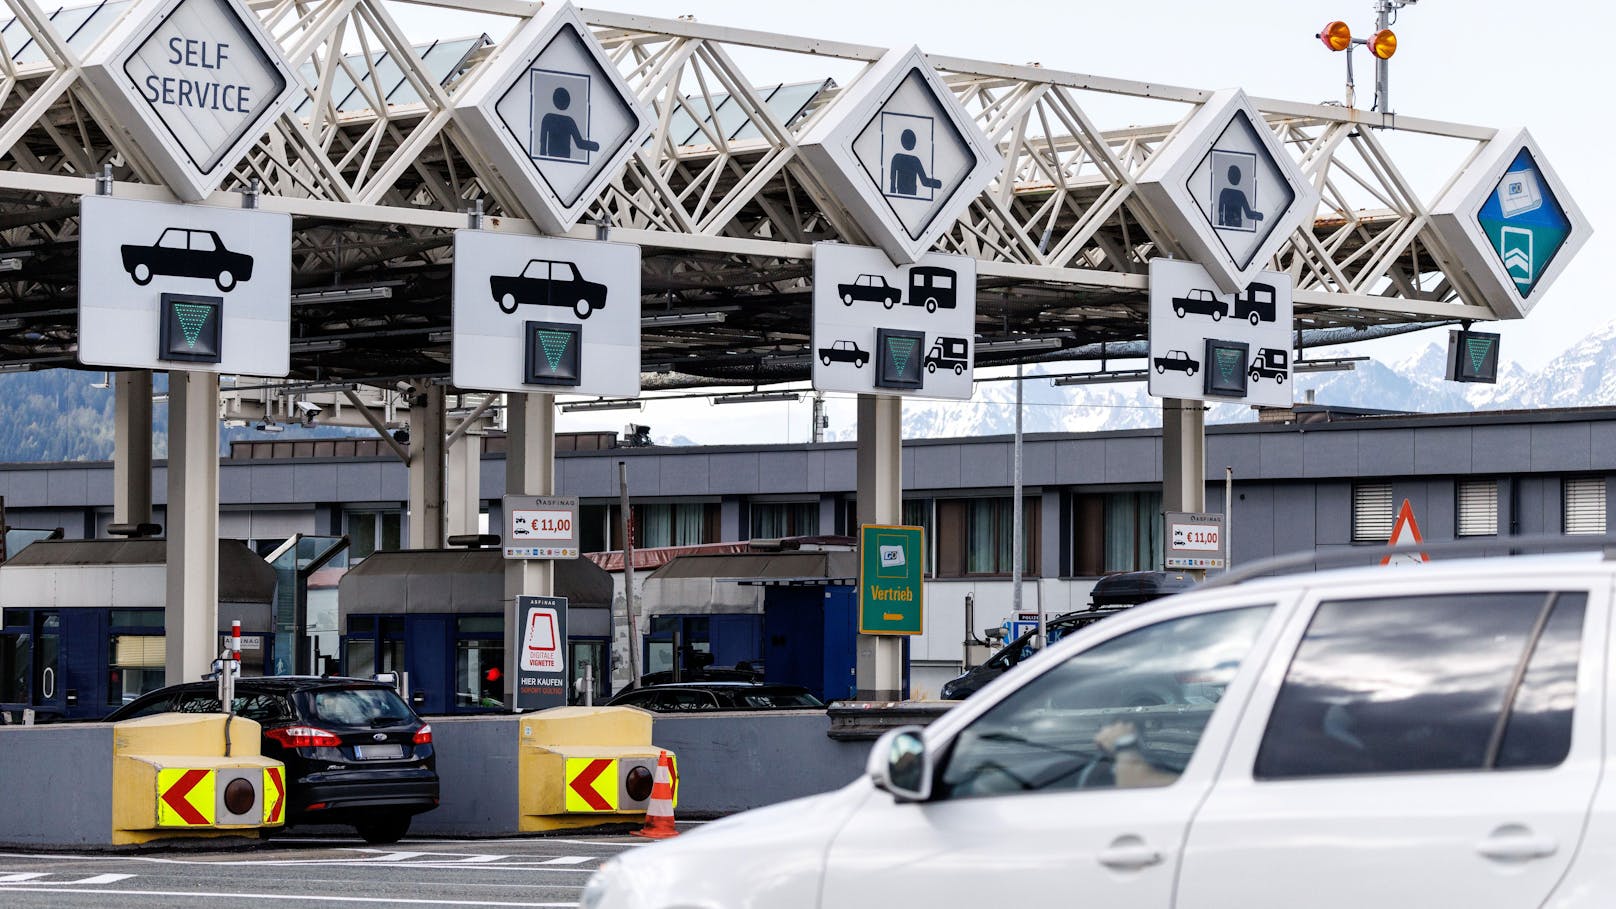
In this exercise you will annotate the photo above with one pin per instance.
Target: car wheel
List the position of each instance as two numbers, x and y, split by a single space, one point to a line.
507 303
1253 375
847 299
1217 315
1178 311
1280 378
931 367
1190 371
581 308
825 360
890 302
959 370
225 281
1255 319
383 830
1160 369
859 363
141 274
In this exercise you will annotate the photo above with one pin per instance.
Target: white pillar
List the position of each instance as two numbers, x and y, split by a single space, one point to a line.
529 471
132 448
426 469
191 619
463 495
880 501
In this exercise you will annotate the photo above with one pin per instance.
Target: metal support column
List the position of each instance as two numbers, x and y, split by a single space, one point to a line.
191 619
132 448
426 469
1183 458
880 501
529 470
463 497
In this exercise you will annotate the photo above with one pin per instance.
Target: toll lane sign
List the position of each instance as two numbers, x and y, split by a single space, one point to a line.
892 562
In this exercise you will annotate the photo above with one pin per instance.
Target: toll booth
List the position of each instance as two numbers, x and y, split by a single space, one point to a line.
82 622
810 636
436 616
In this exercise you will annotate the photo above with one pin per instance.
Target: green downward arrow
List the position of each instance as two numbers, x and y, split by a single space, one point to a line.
555 345
902 349
1478 347
192 316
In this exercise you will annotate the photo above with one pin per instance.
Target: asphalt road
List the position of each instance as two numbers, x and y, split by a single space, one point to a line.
330 872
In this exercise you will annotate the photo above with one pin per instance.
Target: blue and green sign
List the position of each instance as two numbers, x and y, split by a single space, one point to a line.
891 579
1524 223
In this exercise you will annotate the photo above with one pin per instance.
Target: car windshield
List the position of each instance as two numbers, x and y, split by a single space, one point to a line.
536 269
359 707
173 238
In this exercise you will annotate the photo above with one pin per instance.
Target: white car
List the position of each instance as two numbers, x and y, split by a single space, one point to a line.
1423 736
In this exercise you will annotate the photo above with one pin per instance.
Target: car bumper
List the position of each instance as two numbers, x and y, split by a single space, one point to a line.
341 792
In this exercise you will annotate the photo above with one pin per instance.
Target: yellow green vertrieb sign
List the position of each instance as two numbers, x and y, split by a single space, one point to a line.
891 573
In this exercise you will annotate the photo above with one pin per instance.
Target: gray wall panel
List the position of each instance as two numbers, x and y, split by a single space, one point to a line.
1295 524
1242 452
272 484
1038 463
1501 449
1386 452
395 480
1561 446
1332 514
934 467
359 482
1442 450
1282 455
1324 454
686 475
739 471
786 471
985 464
1133 460
58 785
313 483
66 487
1081 462
732 762
477 777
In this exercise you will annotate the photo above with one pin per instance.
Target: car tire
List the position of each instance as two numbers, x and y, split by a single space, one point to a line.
507 303
1178 311
1280 378
890 302
959 370
1255 319
1161 370
1252 375
931 367
859 363
581 308
825 360
224 280
931 304
380 831
847 299
141 273
1217 315
1190 371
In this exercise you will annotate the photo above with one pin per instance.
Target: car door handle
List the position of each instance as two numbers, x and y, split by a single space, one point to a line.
1129 853
1514 843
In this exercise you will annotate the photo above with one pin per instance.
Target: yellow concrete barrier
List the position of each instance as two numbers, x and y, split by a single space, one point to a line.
585 766
170 777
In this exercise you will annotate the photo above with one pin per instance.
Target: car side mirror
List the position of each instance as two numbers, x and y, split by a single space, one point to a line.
900 764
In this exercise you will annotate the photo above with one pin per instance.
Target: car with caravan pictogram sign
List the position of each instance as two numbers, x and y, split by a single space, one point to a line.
355 753
932 287
869 289
548 282
184 253
1203 302
1255 304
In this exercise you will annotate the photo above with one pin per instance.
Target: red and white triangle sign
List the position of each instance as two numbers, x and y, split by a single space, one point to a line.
1405 531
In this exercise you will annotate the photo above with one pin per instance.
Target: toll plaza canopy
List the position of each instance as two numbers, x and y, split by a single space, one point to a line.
377 177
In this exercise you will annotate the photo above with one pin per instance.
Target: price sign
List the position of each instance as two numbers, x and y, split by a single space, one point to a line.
1195 540
541 527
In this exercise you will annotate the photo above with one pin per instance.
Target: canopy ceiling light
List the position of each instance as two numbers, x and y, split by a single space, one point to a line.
602 404
758 397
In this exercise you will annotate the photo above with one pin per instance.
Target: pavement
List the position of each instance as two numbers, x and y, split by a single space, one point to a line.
326 871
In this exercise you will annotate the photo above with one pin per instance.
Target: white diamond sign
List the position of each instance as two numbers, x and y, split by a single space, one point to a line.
554 118
1226 190
193 83
901 154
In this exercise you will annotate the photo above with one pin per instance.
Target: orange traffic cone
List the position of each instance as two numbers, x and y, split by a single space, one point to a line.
659 814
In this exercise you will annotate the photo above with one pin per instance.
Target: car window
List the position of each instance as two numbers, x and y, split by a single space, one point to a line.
1448 682
565 271
536 269
202 241
265 706
677 701
146 707
196 702
172 239
766 699
1151 691
359 707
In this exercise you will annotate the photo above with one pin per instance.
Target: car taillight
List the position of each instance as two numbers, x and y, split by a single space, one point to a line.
423 736
303 737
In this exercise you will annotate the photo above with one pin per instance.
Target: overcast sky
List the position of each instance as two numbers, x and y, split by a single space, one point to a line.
1546 66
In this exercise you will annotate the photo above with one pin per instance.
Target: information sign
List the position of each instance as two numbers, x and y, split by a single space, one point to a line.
1195 540
892 561
541 527
1207 345
541 668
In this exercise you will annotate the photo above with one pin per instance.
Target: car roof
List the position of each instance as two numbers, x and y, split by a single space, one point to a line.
286 683
1527 569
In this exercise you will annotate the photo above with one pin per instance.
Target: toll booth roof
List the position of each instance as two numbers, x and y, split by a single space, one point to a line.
816 564
454 581
244 576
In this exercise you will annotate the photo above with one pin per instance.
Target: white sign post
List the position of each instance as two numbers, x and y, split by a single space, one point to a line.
891 329
1227 191
553 116
534 314
1207 345
194 287
194 83
901 154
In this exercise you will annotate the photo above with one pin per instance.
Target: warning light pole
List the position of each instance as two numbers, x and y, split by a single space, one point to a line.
1337 36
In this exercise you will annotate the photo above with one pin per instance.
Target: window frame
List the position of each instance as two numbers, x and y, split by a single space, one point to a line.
1475 500
1587 517
1365 527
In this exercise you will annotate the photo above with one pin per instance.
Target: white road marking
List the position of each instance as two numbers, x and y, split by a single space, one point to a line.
442 860
33 877
294 897
567 860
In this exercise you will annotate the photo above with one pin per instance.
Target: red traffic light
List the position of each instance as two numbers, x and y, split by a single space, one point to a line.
1337 36
492 674
1383 44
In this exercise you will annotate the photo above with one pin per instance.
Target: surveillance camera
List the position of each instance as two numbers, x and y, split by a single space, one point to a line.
308 408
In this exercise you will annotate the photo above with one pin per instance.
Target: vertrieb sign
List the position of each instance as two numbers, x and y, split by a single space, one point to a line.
194 83
891 579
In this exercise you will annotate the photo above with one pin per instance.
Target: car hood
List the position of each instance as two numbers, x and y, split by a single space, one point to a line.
769 857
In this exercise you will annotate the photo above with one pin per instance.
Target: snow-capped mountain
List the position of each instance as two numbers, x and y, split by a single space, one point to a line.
1582 376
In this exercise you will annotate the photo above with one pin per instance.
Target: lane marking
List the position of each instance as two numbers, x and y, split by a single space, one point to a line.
33 877
311 898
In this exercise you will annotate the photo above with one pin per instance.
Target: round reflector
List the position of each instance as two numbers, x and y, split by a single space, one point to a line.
639 783
240 796
1384 44
1336 36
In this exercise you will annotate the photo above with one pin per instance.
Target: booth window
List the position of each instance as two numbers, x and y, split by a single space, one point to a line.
373 531
479 661
14 647
772 520
1585 505
1116 531
1477 504
136 648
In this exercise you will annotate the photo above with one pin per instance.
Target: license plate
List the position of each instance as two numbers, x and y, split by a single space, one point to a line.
378 752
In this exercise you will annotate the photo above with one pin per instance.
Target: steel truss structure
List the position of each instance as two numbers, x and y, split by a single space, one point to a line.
371 168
